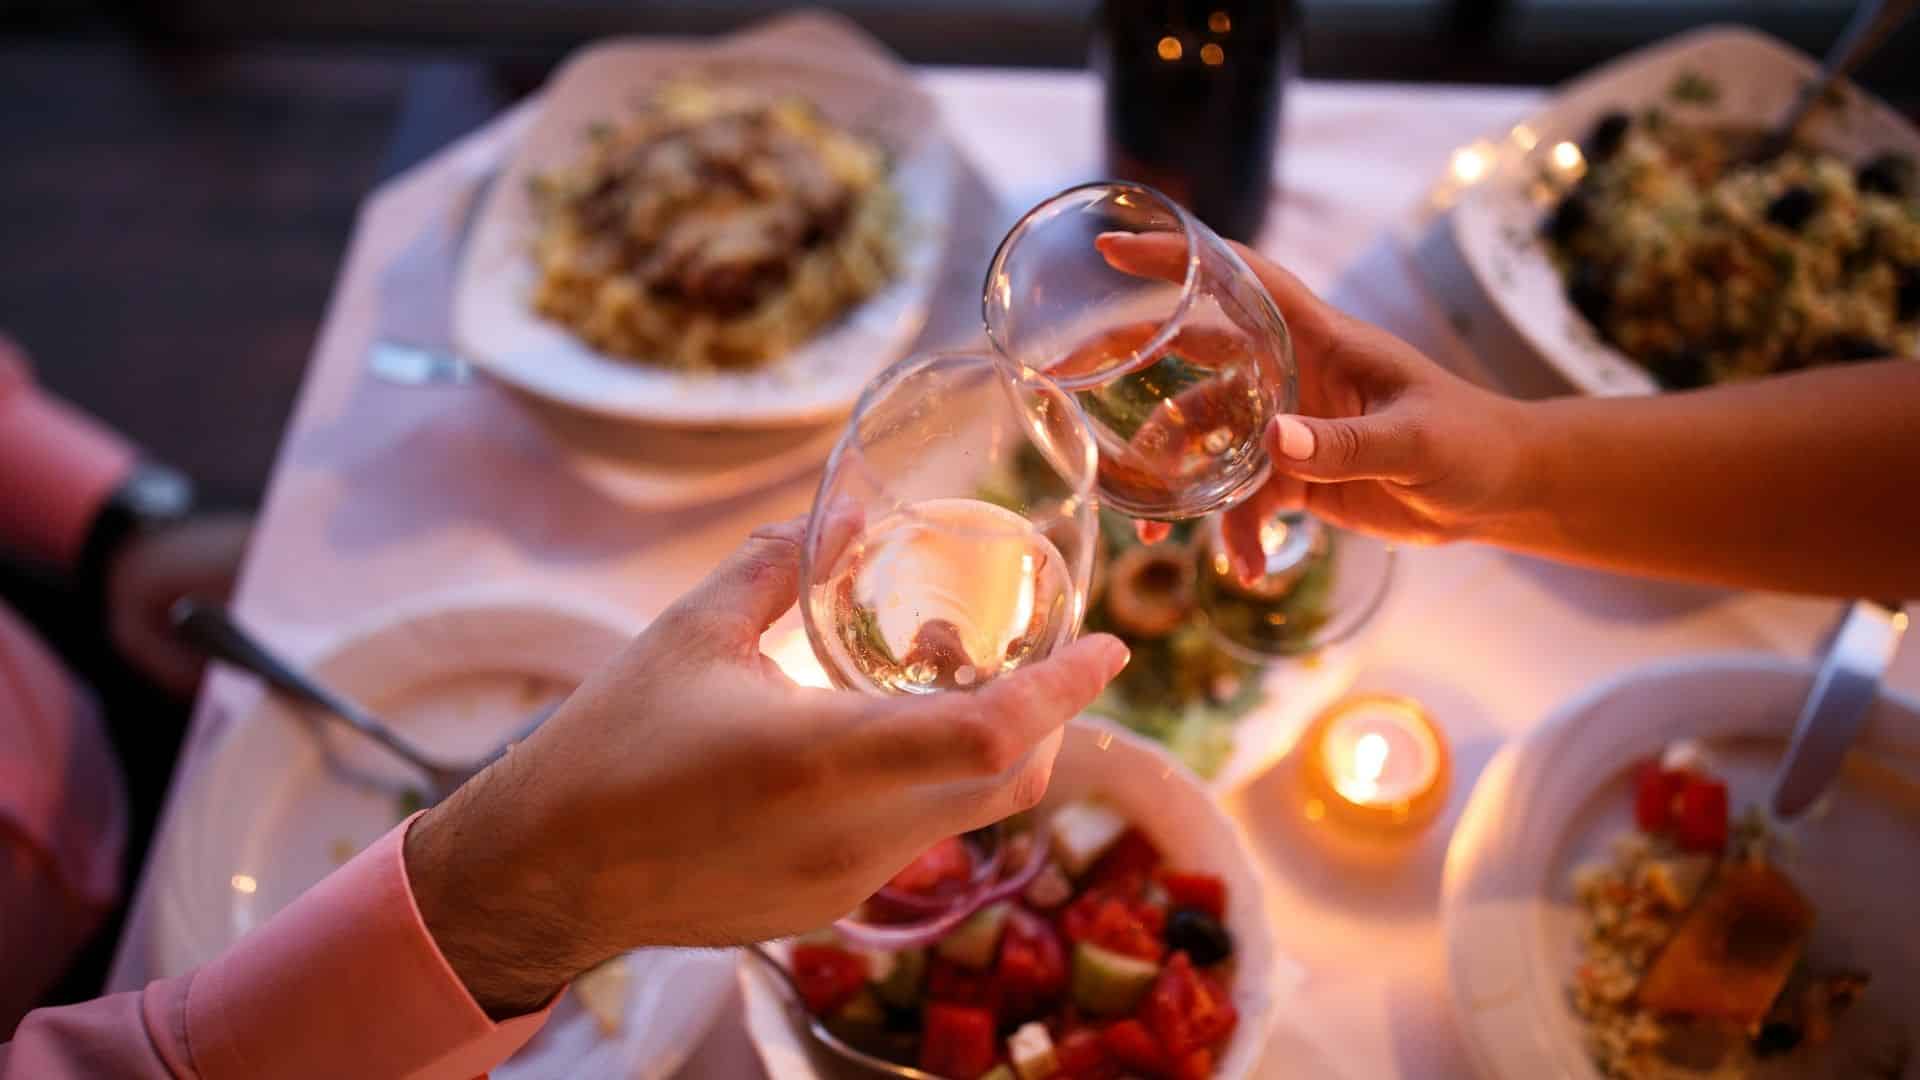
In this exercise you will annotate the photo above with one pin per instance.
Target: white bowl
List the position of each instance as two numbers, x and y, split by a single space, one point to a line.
1173 806
1496 224
1554 799
266 818
818 56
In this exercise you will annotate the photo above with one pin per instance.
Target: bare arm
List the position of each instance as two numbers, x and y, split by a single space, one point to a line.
1807 483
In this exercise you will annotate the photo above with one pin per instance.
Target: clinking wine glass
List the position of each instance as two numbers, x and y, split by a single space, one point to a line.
950 543
953 534
1178 378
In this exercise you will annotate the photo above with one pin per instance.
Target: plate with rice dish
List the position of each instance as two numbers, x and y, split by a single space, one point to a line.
1616 906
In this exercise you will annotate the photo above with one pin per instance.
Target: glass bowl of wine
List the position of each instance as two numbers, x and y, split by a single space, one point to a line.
953 534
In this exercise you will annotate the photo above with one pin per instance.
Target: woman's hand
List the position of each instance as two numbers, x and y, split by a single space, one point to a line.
1385 441
691 794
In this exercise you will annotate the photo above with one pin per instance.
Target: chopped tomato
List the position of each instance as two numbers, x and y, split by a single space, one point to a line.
957 1041
1104 919
945 862
1187 1010
955 985
1083 1058
1127 866
1032 970
828 977
1197 1065
1700 815
1654 792
1132 1046
1201 892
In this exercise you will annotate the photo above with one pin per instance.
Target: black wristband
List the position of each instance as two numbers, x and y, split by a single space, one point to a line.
150 495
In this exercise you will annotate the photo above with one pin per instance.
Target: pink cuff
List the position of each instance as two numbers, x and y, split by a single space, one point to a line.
57 466
345 982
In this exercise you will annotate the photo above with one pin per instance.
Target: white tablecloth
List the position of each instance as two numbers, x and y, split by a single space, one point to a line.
382 492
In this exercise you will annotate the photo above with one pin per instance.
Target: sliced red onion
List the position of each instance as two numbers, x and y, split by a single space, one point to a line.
915 935
1023 877
984 872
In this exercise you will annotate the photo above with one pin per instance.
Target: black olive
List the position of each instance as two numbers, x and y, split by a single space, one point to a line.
1888 174
1607 135
1851 348
1793 207
1776 1037
898 1019
1591 292
1199 935
1573 214
1906 294
1681 369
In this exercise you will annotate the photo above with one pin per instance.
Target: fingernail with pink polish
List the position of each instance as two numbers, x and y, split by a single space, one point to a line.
1295 438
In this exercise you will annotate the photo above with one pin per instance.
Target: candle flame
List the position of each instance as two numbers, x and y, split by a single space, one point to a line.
1369 761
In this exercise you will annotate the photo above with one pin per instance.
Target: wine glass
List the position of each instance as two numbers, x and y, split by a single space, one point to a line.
1178 378
1320 585
953 534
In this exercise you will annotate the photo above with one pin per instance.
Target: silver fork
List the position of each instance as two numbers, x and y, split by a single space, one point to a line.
214 632
413 345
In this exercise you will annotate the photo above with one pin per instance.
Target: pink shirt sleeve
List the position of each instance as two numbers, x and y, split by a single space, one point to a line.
57 465
63 820
345 981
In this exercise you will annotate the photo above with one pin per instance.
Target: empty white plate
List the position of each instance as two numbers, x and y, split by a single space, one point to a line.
268 814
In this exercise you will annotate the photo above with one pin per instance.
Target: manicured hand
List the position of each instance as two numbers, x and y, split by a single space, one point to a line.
1385 441
691 794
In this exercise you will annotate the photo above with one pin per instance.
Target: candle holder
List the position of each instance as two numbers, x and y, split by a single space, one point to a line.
1375 763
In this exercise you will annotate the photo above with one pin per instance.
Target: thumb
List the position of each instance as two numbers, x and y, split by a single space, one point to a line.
756 584
1353 448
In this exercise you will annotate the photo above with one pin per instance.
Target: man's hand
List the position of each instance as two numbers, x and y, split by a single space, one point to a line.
691 794
1385 442
198 557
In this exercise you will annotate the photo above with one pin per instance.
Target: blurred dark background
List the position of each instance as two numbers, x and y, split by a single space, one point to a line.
181 175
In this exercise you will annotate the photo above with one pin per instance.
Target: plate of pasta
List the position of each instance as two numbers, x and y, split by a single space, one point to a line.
737 235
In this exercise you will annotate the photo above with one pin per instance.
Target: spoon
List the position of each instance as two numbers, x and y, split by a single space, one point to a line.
1848 682
797 1009
1873 22
214 632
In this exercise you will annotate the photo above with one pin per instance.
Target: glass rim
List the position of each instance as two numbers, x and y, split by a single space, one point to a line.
1082 496
1189 285
1213 539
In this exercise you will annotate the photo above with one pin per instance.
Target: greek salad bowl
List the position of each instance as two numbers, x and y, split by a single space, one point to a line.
1142 943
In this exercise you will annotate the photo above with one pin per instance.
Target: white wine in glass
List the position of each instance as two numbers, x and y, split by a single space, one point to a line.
953 535
944 595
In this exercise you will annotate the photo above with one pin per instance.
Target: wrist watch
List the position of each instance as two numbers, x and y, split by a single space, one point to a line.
152 495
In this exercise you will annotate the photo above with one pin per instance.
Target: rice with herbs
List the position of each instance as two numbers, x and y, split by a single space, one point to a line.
1705 270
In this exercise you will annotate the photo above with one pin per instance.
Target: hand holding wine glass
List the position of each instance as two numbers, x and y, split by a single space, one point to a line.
691 794
1385 441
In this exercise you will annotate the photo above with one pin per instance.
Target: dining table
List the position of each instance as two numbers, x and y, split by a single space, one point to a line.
382 492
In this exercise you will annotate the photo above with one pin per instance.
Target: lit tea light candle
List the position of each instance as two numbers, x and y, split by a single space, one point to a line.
1376 761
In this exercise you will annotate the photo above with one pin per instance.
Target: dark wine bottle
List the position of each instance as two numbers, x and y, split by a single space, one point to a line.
1193 100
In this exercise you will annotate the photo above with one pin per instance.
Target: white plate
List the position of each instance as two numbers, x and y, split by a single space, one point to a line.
664 468
1553 799
821 57
266 818
1496 223
1176 810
